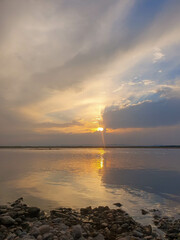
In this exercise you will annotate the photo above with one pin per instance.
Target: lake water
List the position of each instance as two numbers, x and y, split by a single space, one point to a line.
70 177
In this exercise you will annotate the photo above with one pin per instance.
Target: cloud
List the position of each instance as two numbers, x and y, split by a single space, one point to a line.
158 55
59 125
58 57
144 115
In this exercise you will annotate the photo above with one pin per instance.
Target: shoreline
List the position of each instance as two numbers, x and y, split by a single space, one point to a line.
19 221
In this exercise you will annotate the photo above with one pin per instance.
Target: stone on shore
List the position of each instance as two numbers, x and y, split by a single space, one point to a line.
118 204
33 211
7 220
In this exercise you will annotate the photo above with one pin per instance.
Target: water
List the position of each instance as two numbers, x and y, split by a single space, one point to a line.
69 177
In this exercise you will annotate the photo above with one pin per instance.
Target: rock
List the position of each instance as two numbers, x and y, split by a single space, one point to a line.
3 210
63 227
99 237
17 202
25 225
148 229
7 220
3 206
144 212
57 220
123 238
11 236
107 231
35 232
39 237
77 231
137 234
27 237
114 227
85 211
157 214
44 229
33 212
148 237
117 204
47 236
104 225
102 209
125 226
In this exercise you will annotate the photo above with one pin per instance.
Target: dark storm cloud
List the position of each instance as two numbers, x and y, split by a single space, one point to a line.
144 115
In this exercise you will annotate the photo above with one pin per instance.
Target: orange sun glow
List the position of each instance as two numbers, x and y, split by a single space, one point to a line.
100 129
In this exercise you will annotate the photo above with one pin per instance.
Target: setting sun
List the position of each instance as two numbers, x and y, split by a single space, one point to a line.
100 129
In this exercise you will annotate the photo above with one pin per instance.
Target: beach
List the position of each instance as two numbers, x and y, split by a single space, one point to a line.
19 221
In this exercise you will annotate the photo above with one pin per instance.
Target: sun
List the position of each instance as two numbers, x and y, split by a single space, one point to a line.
100 129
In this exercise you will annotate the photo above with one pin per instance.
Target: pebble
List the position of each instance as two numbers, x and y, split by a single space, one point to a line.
117 204
44 229
144 212
77 231
99 237
33 211
7 220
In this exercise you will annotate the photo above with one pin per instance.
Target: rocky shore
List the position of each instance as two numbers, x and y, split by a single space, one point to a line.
19 221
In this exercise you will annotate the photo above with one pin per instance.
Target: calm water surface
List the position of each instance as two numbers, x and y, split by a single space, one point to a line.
137 178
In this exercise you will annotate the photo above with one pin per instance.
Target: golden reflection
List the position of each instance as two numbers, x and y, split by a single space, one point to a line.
100 162
77 180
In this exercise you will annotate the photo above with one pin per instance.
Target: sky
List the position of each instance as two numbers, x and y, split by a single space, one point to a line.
71 68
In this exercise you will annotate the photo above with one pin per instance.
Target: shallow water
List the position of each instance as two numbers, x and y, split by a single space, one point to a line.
70 177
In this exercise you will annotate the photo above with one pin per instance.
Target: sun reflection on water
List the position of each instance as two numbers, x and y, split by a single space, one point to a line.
100 160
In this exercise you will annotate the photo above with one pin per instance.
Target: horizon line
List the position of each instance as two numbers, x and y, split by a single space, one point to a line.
89 146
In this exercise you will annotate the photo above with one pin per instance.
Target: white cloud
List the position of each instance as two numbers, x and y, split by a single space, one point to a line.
157 55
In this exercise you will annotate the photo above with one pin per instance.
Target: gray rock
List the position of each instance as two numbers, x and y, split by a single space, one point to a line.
33 211
57 220
117 204
3 207
99 237
86 210
104 225
7 220
55 238
27 237
39 237
148 237
3 210
37 224
125 238
47 236
11 236
125 226
35 231
82 238
44 229
62 226
76 231
18 220
137 234
144 212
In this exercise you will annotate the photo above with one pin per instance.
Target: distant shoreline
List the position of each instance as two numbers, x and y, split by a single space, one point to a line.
60 147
